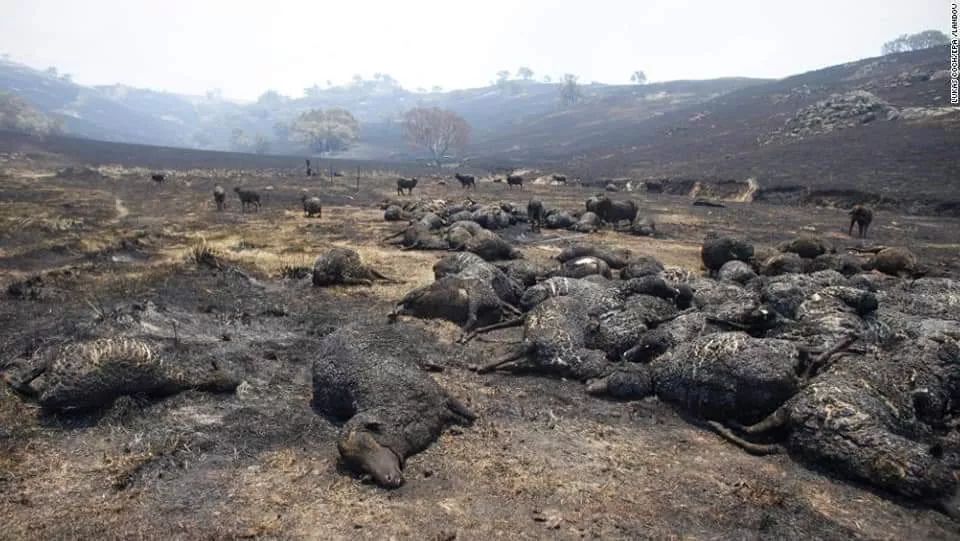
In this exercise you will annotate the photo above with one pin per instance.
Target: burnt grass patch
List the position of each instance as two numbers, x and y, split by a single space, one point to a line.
543 460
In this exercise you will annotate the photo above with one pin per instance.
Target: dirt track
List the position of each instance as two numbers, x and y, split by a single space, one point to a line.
545 460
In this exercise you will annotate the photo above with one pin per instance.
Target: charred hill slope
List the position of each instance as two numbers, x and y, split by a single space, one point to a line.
880 127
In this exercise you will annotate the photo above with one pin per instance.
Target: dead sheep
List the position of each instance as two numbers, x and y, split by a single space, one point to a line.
390 410
644 227
616 258
467 302
717 250
722 376
805 247
868 418
342 266
554 342
418 236
785 263
493 217
616 331
640 266
91 374
600 298
393 213
312 206
470 265
247 198
407 184
466 181
582 267
862 216
736 271
845 264
558 219
894 261
614 212
492 247
524 272
219 197
589 222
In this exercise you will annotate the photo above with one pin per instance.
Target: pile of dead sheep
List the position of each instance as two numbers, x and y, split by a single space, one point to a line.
849 363
431 221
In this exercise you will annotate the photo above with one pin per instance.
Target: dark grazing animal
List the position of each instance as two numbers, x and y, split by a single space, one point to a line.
467 181
535 214
247 198
158 178
406 184
311 206
220 197
515 180
391 410
560 179
862 216
309 171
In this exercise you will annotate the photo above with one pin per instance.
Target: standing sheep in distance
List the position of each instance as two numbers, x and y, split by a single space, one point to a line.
560 179
311 206
535 214
514 180
467 181
406 184
158 178
862 216
220 197
247 197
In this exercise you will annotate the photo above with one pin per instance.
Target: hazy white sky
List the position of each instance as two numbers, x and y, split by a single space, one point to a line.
247 47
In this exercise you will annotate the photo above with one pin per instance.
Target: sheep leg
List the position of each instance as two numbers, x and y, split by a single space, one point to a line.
356 282
461 413
773 421
509 308
379 276
752 448
22 386
821 360
516 322
503 361
395 235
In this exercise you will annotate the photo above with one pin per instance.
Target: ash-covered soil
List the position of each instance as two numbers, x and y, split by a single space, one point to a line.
544 460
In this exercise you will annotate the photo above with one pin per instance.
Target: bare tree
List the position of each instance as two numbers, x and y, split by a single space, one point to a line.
570 92
915 42
438 131
525 73
547 79
325 131
639 77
